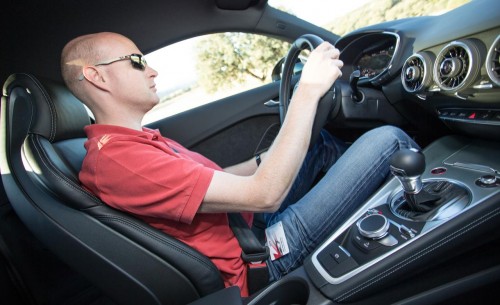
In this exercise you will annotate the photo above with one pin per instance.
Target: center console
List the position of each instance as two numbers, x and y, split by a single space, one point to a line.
441 201
438 214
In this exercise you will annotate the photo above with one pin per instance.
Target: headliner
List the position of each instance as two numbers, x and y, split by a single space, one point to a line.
34 32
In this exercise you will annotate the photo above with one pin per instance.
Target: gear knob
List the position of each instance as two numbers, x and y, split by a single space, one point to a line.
408 165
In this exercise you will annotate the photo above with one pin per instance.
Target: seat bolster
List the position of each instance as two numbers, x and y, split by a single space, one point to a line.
200 271
43 140
51 170
59 114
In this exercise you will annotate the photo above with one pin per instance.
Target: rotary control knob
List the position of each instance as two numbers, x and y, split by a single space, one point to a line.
373 226
488 181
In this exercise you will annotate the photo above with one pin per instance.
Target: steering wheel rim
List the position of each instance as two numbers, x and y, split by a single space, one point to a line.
307 41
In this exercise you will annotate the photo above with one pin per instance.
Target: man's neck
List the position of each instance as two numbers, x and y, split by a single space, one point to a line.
131 123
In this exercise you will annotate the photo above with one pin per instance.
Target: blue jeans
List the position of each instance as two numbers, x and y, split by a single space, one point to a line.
351 175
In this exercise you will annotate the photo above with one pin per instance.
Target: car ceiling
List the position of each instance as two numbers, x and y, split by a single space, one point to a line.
34 32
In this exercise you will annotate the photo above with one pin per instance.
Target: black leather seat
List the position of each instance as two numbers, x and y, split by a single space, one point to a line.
42 152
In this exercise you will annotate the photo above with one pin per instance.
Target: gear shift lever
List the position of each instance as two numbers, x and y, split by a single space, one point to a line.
408 165
422 201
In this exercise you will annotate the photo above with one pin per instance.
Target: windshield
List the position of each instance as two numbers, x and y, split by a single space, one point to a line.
342 17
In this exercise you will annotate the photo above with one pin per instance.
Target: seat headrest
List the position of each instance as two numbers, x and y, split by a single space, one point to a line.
58 115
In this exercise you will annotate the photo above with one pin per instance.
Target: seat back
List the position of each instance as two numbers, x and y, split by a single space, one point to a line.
41 154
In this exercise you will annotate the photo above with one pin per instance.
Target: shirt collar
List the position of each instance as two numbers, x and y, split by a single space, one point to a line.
98 130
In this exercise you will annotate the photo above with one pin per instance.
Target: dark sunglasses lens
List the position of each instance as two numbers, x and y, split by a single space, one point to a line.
138 62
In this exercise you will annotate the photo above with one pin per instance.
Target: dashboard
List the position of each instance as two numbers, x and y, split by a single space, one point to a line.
434 71
428 70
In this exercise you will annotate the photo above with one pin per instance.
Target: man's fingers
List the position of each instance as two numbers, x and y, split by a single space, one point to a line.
332 51
339 63
335 53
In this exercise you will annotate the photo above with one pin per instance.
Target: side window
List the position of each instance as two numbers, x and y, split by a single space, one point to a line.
204 69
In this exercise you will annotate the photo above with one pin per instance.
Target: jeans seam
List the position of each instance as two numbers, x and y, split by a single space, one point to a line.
350 197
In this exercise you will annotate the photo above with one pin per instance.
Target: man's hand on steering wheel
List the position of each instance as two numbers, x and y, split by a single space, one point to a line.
317 79
321 70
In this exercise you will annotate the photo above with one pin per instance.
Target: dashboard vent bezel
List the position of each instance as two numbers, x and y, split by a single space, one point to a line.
416 74
457 66
493 62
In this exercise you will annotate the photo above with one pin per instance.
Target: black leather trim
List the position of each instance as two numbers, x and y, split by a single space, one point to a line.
201 272
63 114
454 237
125 257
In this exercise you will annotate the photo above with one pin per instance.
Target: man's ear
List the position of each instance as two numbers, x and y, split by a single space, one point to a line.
93 75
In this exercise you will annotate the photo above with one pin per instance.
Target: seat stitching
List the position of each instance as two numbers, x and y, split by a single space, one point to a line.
115 218
154 236
51 105
57 173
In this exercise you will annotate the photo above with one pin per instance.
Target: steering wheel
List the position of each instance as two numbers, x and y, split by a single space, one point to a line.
326 103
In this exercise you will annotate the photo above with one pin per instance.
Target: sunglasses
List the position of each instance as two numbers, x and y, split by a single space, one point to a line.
137 60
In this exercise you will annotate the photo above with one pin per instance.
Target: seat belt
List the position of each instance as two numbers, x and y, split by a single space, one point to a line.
253 250
253 253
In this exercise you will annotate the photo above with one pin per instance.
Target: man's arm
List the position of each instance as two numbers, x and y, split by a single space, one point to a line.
265 188
246 168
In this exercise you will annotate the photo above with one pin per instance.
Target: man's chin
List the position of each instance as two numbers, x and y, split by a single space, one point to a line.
155 100
153 104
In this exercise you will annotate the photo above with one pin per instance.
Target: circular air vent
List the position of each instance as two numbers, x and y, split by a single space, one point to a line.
416 72
457 66
493 62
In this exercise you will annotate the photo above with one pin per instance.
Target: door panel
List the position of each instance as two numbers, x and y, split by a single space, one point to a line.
227 131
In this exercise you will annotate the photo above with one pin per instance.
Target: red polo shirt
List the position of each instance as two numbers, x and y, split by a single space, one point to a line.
163 183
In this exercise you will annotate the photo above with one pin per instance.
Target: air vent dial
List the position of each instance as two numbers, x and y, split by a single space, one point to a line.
417 71
457 66
493 62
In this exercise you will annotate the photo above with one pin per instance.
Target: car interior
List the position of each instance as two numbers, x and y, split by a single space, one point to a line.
429 235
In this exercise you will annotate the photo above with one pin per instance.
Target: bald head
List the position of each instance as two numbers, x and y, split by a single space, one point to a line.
98 69
85 50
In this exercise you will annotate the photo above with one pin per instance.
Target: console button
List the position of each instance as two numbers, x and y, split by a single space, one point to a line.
407 231
438 170
389 241
483 115
346 266
339 255
336 260
365 244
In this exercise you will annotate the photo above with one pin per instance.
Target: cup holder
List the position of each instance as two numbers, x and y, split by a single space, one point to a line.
284 292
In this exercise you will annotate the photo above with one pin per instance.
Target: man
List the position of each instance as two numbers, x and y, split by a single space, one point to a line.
137 170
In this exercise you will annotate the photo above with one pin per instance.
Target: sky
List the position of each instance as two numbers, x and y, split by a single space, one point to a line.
318 11
176 63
